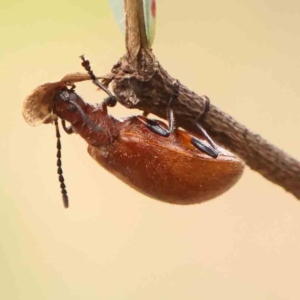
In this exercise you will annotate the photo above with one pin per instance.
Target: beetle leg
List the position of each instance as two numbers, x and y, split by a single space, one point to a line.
204 148
68 130
209 150
73 87
157 128
170 112
111 100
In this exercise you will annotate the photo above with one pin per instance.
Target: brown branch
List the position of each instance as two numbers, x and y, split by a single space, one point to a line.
141 82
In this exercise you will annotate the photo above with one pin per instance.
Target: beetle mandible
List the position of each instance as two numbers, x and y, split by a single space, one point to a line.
162 162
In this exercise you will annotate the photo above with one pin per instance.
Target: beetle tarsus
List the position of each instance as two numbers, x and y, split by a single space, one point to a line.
110 101
203 114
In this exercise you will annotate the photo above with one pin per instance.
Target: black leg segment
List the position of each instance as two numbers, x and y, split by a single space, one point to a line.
68 130
158 129
209 150
204 148
155 127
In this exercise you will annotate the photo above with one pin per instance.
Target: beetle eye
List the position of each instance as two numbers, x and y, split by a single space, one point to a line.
65 95
72 97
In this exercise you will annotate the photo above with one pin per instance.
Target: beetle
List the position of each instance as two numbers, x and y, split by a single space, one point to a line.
160 161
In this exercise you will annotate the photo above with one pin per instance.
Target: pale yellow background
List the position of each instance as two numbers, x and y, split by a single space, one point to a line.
114 243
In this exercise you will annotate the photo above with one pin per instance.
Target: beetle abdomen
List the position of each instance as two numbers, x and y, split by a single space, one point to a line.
165 169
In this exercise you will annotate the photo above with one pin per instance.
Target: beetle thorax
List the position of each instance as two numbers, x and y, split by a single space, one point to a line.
100 129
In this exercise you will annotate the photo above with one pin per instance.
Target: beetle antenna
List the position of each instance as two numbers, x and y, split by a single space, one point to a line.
111 100
59 168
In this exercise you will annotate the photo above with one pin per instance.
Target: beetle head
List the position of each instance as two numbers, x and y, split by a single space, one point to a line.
68 105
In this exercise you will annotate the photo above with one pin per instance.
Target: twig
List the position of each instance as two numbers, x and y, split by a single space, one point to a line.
141 82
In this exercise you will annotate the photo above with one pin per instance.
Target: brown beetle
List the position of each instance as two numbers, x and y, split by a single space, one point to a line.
161 162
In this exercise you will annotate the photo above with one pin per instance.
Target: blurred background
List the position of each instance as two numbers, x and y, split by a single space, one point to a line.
113 243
